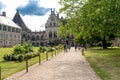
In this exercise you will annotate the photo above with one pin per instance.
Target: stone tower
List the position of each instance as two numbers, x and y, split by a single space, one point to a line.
52 27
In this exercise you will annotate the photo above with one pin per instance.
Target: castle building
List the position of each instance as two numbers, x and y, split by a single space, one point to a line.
51 27
37 38
10 33
25 30
15 31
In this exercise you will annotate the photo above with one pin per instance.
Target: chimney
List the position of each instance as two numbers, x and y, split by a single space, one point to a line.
4 13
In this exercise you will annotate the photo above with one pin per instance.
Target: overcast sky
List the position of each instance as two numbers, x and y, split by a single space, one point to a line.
33 12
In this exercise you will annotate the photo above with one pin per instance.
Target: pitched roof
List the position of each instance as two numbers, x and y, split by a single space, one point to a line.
18 20
7 21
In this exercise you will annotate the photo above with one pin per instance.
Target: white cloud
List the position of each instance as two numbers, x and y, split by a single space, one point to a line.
50 4
11 5
32 22
35 22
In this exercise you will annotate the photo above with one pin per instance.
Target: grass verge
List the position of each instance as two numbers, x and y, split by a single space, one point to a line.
9 68
106 63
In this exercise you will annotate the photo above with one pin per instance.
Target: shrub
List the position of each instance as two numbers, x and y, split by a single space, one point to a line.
7 57
20 53
29 56
20 58
41 49
27 47
49 49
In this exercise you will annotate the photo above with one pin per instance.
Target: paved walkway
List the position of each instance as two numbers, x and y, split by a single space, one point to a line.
64 66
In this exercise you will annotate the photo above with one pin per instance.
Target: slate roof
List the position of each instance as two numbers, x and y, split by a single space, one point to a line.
18 20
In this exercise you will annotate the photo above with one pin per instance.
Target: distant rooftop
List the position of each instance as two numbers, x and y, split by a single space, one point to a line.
18 20
4 20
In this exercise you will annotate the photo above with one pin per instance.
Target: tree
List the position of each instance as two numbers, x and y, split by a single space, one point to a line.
27 47
93 18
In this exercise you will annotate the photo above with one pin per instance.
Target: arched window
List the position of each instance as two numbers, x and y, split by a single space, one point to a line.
50 24
50 34
54 24
28 36
42 37
33 37
37 37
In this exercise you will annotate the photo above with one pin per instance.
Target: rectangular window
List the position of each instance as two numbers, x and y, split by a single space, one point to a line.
9 29
16 30
4 28
13 29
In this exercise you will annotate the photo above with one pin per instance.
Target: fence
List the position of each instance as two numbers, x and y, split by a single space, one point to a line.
25 64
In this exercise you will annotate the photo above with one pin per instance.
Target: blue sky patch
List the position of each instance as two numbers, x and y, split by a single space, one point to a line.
1 5
33 8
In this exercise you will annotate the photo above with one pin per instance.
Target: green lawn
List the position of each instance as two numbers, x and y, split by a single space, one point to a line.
9 68
106 63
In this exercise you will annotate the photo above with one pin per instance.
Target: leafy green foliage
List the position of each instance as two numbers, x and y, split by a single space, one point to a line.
20 53
18 49
41 49
49 49
92 20
27 47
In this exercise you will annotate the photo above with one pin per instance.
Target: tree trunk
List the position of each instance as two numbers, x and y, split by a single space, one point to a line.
104 43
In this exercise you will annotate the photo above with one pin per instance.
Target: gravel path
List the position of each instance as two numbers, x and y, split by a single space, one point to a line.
64 66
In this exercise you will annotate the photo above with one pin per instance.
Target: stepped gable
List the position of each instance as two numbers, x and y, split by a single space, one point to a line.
18 20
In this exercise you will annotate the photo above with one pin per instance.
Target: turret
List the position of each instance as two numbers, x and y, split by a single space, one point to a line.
53 11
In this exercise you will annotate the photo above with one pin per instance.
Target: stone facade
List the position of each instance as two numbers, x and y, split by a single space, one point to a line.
10 33
37 38
23 34
52 27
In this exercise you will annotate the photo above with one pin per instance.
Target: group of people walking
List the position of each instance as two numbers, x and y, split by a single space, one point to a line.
67 48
